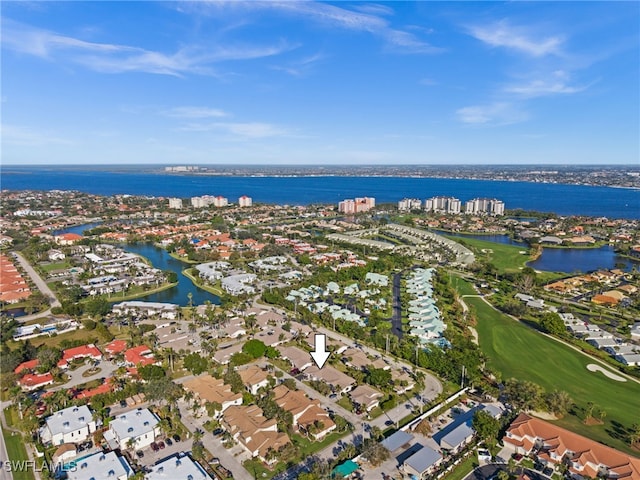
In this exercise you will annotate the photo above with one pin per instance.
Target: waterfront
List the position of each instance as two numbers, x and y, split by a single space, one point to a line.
543 197
162 260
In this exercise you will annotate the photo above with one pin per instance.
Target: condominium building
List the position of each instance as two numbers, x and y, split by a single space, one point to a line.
443 204
407 204
175 203
490 206
202 202
220 201
245 201
357 205
71 425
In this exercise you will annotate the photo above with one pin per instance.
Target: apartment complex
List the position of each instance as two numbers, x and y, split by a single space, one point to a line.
407 204
357 205
443 205
175 203
202 202
490 206
13 288
245 201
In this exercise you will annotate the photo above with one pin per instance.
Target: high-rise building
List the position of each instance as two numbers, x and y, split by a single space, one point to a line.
202 202
220 201
358 205
175 203
443 205
407 204
245 201
491 206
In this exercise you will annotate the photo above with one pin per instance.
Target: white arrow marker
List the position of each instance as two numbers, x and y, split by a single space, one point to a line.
320 354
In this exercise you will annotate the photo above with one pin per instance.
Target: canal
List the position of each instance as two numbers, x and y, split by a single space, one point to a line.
162 260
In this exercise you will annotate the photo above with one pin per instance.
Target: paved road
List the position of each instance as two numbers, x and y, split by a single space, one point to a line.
396 317
4 474
75 376
213 445
42 286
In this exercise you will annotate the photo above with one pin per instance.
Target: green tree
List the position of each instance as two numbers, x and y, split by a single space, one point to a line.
255 348
48 358
486 426
378 377
195 363
558 402
151 372
552 323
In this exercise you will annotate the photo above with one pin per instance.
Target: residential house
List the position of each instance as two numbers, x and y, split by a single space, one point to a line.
457 438
422 463
365 397
83 351
298 358
254 378
101 466
554 445
139 356
70 425
179 466
257 434
308 416
136 429
33 381
209 389
339 382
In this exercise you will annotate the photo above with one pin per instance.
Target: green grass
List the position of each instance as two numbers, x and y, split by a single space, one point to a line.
55 266
463 469
198 283
518 351
17 452
345 403
506 258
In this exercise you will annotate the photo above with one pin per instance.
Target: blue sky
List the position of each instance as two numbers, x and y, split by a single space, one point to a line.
319 83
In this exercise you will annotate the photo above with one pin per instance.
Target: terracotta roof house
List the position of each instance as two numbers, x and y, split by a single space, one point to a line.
33 381
254 378
67 238
28 365
115 347
338 381
308 416
210 389
366 397
555 445
299 358
139 356
248 426
83 351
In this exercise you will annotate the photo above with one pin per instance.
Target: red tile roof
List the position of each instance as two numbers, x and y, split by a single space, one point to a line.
140 355
36 379
79 352
28 365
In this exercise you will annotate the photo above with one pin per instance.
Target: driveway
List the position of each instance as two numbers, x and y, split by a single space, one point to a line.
75 376
230 459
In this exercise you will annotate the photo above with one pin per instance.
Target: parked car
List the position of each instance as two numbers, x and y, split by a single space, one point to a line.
155 447
215 461
388 423
176 438
139 453
218 431
548 471
168 441
160 444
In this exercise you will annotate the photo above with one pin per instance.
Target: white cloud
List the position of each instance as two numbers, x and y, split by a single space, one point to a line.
301 67
554 84
194 112
502 34
368 19
114 58
240 129
494 114
25 136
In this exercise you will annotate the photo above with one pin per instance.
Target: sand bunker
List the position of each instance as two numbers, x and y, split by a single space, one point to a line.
592 367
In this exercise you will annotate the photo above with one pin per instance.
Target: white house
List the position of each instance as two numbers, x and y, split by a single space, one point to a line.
177 467
101 466
71 425
136 429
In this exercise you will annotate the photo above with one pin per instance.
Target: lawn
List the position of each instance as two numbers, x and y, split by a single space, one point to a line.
517 351
506 258
17 452
463 469
55 266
